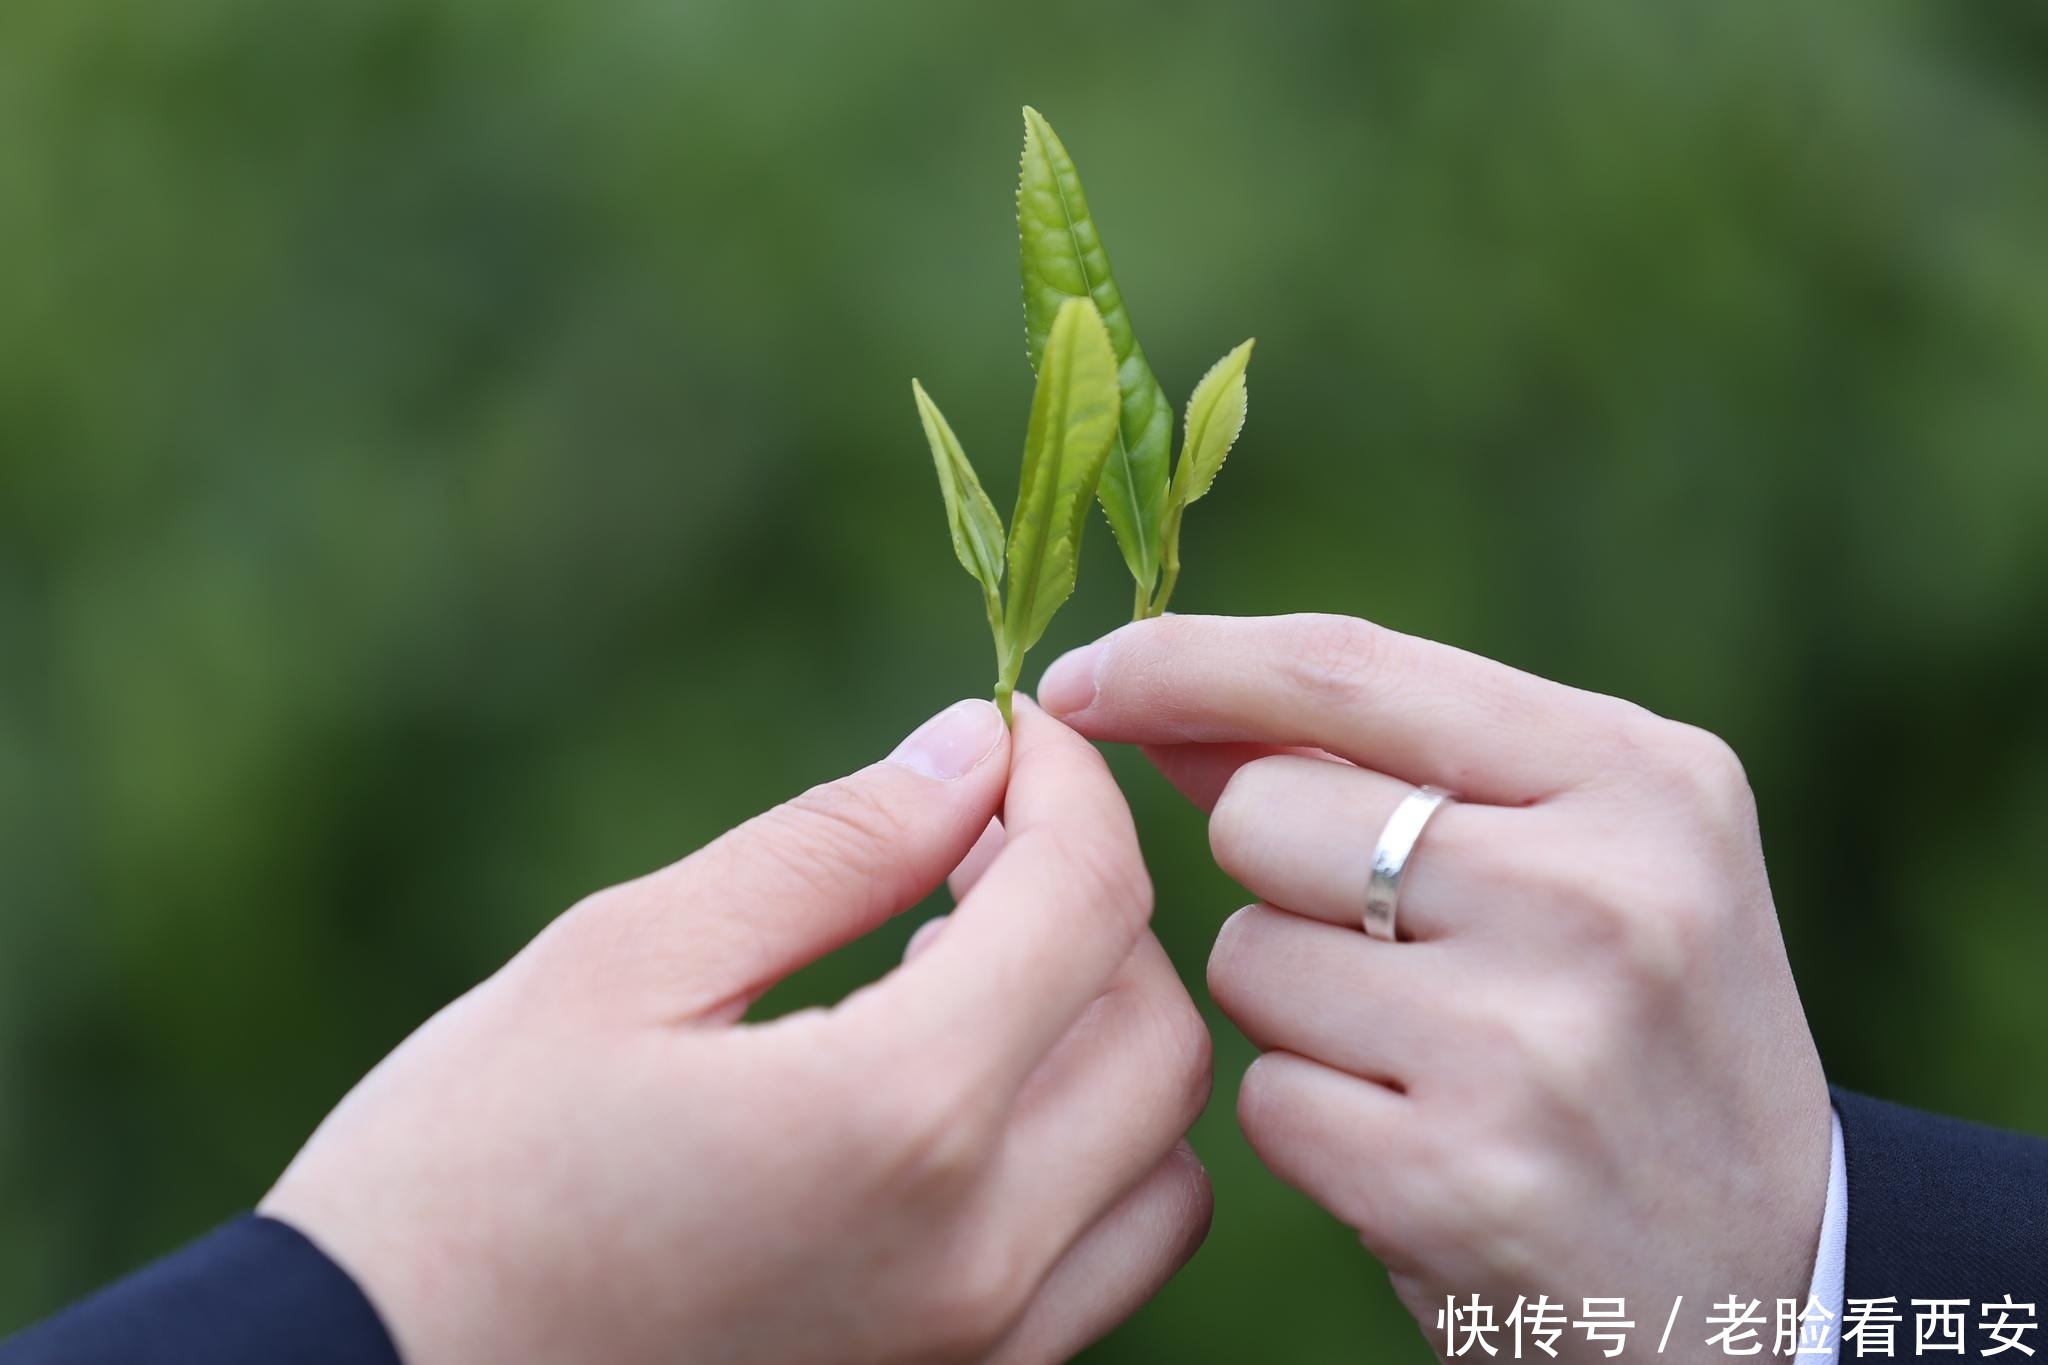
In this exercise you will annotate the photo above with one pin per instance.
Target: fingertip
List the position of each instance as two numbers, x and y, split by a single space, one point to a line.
1031 723
955 742
1049 755
1068 687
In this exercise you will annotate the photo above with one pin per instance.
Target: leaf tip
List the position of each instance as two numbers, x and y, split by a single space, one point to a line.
1079 311
1038 131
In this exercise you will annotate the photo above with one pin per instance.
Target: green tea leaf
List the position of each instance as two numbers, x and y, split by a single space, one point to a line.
1063 258
977 529
1073 419
1215 417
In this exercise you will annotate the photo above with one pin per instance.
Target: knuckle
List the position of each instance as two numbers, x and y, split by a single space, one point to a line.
1664 938
826 840
1433 1163
1648 923
1702 771
1608 905
1173 1041
1160 635
933 1137
1498 1201
839 825
1133 659
1108 869
936 1157
1630 733
574 954
1494 1029
1552 1059
1550 873
1565 1053
977 1297
1332 659
613 936
1507 1188
610 921
592 923
1652 929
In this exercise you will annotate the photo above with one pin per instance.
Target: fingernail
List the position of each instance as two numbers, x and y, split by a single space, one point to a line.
1069 685
954 742
922 939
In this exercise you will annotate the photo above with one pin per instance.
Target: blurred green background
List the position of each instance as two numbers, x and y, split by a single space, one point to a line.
458 453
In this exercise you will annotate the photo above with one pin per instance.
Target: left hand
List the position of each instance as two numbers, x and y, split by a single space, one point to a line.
591 1157
1587 1073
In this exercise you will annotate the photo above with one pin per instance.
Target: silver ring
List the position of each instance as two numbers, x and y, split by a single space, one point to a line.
1390 855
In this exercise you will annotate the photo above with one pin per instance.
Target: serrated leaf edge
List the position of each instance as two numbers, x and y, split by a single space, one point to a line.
1023 607
1182 492
1037 128
957 480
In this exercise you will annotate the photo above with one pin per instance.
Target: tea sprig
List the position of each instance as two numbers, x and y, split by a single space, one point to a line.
1073 420
1100 429
1062 257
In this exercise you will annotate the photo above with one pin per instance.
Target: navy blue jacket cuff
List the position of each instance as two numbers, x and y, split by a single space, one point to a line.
1940 1208
253 1292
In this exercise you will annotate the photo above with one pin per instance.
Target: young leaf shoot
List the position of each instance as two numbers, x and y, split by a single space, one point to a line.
977 527
1101 429
1215 417
1062 256
1073 421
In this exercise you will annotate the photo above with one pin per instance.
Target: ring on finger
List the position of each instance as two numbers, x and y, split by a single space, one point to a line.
1390 856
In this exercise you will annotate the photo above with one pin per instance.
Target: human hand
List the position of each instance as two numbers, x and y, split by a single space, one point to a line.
1588 1074
588 1158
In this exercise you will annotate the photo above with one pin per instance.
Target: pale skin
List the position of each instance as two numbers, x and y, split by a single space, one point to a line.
590 1157
1586 1071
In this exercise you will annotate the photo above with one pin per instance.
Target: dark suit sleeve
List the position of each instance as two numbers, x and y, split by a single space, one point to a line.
1939 1208
254 1292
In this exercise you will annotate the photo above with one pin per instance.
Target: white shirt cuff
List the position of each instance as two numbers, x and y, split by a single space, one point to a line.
1828 1262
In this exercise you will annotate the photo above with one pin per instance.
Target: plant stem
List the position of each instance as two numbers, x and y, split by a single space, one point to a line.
1166 582
1170 560
1006 667
1009 663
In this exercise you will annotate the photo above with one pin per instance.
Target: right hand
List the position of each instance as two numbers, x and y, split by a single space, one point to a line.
1584 1069
588 1158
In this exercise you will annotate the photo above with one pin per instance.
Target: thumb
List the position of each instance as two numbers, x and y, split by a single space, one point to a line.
790 885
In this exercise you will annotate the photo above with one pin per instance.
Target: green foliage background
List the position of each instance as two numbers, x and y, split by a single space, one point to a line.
456 453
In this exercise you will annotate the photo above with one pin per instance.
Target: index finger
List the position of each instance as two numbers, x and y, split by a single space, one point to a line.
1046 927
1412 708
